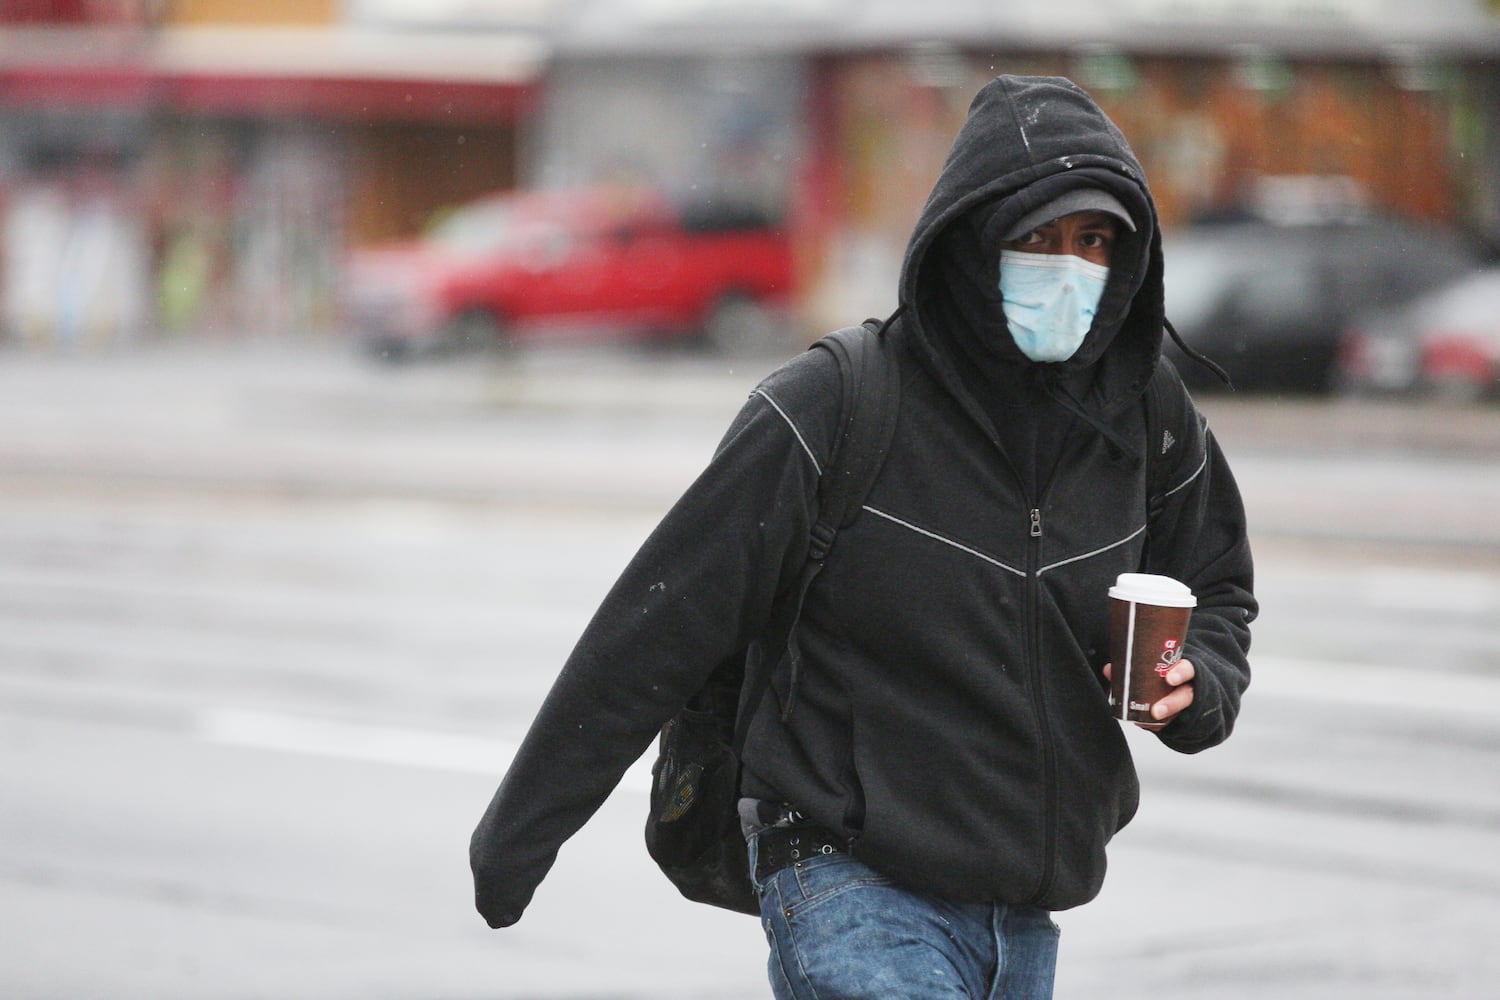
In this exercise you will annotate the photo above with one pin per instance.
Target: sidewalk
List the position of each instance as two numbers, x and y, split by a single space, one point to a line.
319 421
619 427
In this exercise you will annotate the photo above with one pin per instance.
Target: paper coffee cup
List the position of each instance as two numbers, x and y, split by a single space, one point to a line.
1148 621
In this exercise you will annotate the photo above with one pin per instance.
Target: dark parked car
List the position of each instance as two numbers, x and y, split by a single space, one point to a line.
599 262
1444 343
1270 302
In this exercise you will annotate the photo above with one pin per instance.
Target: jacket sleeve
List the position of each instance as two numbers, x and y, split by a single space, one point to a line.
700 587
1199 537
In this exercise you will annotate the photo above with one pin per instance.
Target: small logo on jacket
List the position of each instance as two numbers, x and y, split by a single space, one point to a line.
1167 441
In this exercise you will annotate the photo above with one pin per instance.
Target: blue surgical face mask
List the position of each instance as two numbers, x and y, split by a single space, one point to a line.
1049 301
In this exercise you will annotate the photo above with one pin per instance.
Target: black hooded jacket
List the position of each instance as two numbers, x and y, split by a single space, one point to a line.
950 719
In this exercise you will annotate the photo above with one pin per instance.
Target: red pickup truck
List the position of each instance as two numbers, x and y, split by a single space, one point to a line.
582 263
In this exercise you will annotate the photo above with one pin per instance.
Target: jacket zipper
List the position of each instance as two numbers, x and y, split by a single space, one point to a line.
1038 687
1039 704
1038 696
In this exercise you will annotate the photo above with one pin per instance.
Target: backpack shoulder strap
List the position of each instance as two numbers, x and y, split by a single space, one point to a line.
1166 416
870 401
869 404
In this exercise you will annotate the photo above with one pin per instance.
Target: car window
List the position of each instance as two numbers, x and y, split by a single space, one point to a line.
1277 296
1474 302
486 229
1196 279
474 228
1438 265
1394 275
1360 267
1375 280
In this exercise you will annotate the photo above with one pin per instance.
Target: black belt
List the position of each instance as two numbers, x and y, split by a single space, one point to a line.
778 847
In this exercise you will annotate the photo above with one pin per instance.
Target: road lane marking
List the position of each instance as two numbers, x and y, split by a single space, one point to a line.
323 737
1422 692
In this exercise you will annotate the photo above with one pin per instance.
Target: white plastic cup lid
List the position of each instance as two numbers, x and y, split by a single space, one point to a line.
1148 588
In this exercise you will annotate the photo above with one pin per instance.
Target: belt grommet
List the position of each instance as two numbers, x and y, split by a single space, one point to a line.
796 854
827 848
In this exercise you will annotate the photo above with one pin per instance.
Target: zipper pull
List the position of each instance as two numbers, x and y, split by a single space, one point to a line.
1036 522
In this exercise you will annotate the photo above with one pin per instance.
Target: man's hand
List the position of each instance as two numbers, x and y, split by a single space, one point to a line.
1164 711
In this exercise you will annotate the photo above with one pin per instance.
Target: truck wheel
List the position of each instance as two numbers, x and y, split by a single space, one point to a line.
740 326
474 330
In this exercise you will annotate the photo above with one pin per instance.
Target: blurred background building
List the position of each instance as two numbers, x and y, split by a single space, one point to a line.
200 168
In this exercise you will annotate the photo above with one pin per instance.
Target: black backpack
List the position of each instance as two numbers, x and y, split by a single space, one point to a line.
693 829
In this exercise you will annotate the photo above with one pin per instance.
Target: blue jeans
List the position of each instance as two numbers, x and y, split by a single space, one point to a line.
839 930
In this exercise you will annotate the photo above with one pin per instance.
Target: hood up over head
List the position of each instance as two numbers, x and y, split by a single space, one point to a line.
1027 142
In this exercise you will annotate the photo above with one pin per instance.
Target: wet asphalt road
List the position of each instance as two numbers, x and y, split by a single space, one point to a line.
272 620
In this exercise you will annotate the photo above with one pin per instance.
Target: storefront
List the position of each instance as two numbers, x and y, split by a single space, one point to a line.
207 182
238 163
1219 134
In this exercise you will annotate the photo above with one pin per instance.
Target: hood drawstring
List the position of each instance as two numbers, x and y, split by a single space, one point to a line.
1118 443
900 308
1206 362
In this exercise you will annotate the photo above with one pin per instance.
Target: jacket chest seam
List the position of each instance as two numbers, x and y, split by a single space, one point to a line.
1000 563
1099 551
926 533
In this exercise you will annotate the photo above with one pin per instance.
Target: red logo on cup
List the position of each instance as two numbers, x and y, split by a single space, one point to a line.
1171 652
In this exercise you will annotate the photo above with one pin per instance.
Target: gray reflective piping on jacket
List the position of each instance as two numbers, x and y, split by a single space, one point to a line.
1196 473
1090 555
958 545
777 407
991 559
945 541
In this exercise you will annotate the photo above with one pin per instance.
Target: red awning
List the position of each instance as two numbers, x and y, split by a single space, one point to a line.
329 73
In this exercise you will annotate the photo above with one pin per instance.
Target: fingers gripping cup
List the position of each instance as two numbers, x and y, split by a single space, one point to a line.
1148 621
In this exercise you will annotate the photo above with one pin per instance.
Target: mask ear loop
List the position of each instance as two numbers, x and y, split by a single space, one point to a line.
1206 362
